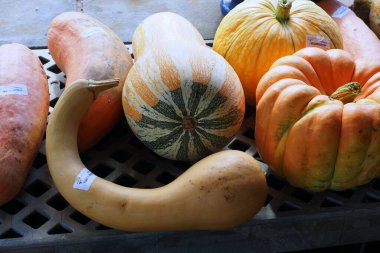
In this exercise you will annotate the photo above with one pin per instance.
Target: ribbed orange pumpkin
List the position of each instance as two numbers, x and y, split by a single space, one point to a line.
256 33
312 130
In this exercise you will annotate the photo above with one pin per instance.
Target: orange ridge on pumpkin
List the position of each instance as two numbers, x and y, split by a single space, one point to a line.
342 63
264 122
322 66
322 115
304 66
279 72
365 69
370 87
354 143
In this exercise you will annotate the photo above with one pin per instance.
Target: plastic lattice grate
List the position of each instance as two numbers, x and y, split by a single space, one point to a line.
40 212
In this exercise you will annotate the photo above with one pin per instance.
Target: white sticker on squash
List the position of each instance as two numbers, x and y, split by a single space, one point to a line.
84 180
340 12
91 31
317 41
13 89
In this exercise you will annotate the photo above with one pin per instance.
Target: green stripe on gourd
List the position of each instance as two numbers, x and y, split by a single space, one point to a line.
215 140
183 150
200 145
197 91
166 110
186 130
178 100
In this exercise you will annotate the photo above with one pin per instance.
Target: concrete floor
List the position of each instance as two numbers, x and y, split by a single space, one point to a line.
26 21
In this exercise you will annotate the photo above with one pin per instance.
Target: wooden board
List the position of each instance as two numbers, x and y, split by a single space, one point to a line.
26 21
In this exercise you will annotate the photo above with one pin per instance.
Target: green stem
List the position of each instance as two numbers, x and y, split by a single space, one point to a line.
347 93
283 10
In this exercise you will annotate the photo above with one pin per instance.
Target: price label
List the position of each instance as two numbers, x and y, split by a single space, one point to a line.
84 180
317 41
340 12
13 89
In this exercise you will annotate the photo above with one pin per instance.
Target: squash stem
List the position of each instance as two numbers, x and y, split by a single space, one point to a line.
347 93
283 10
98 86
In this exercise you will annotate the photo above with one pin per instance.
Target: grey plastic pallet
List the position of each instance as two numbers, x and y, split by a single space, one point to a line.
40 220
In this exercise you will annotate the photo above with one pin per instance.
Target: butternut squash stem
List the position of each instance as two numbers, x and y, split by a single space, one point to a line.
104 84
283 10
347 93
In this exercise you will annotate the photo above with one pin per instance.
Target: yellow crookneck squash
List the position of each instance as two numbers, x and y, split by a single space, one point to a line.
221 191
318 119
258 32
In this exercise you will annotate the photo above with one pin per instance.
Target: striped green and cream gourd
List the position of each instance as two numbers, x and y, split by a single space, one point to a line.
181 99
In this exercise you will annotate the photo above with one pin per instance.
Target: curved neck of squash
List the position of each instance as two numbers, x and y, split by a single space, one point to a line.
62 129
283 10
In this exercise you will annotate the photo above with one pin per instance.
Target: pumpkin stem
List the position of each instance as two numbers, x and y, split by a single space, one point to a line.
347 93
283 10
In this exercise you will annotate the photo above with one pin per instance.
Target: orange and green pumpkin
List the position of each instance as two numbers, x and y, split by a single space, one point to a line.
258 32
181 99
318 119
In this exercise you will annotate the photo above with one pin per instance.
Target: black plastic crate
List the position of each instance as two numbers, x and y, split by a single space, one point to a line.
40 220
